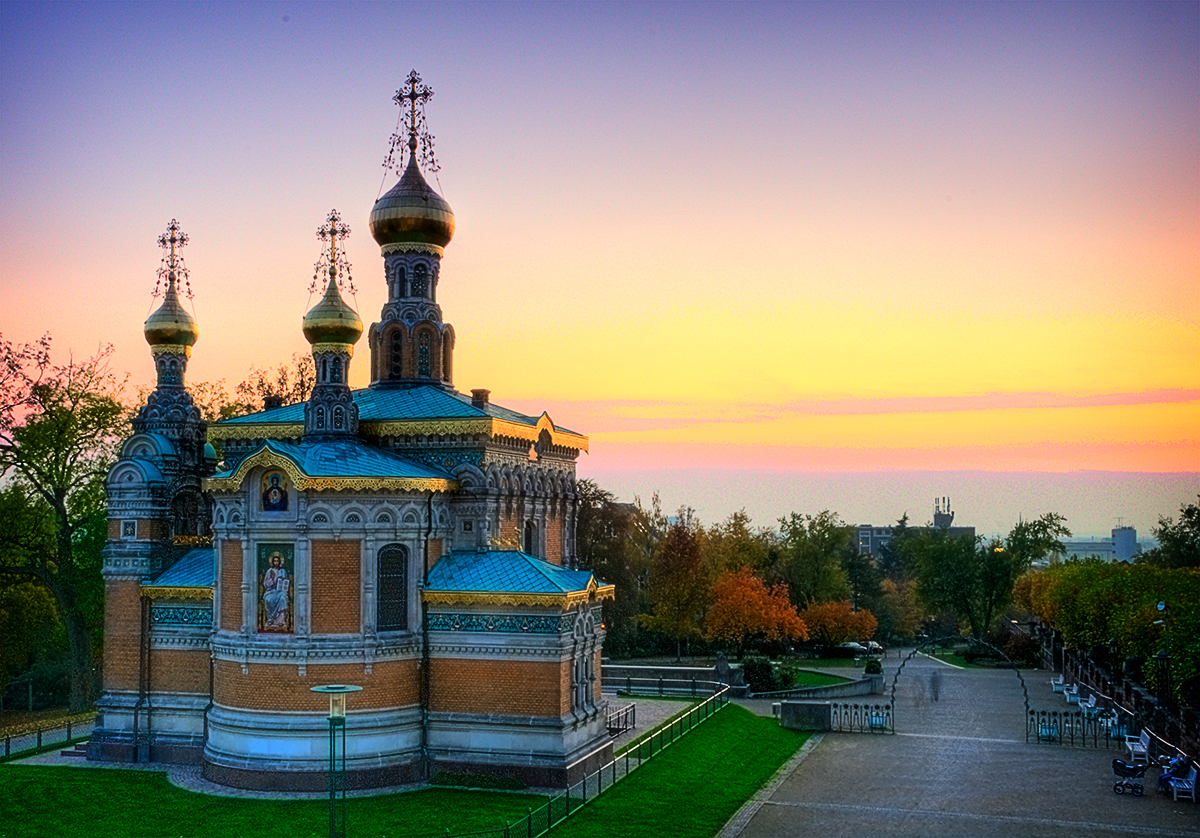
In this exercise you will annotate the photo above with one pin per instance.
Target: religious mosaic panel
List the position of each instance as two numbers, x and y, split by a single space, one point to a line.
276 566
275 491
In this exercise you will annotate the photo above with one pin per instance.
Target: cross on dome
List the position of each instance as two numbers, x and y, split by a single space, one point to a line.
412 97
172 271
333 262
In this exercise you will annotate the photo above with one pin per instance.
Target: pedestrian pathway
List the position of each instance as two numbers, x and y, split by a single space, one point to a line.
958 765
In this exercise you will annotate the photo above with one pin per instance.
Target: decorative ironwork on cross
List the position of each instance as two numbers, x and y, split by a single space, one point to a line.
333 262
172 272
412 98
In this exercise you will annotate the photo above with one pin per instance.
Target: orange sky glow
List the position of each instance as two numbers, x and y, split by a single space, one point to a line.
804 238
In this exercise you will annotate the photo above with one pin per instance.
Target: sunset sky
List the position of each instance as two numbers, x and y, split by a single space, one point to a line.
779 256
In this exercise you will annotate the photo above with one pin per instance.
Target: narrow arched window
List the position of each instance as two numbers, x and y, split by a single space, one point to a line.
401 282
530 536
320 418
420 281
396 348
392 589
339 418
335 370
423 363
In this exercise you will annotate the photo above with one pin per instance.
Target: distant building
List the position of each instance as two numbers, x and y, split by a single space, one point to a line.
871 538
1122 547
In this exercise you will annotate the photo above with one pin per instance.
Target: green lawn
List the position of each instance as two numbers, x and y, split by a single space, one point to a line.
690 789
694 786
56 801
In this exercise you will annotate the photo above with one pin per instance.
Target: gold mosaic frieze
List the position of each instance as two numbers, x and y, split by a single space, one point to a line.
300 480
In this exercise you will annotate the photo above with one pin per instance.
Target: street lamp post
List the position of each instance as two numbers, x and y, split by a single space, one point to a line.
1164 655
337 776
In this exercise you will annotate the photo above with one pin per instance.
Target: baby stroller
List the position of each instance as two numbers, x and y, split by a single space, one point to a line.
1128 773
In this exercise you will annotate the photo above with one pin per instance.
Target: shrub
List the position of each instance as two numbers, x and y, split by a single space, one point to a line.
759 673
874 667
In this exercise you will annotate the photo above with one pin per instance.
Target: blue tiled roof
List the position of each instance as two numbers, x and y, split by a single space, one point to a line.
195 569
387 404
507 571
348 458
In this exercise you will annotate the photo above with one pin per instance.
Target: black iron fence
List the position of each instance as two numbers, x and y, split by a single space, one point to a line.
693 687
621 719
861 718
541 820
30 739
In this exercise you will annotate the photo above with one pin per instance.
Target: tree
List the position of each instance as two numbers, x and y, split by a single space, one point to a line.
744 608
291 383
678 588
835 623
607 542
59 426
975 581
863 575
892 552
733 545
811 558
1178 543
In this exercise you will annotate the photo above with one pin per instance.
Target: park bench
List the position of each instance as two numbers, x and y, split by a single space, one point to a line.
1185 786
1072 694
1139 747
1089 707
1057 684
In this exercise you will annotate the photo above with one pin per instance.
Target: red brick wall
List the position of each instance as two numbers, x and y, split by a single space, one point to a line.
179 670
122 633
596 671
279 687
150 529
230 581
336 587
554 535
523 688
114 529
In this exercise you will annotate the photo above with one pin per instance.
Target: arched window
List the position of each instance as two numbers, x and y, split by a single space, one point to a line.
420 281
401 282
392 589
528 544
335 370
339 418
396 351
424 368
320 418
447 356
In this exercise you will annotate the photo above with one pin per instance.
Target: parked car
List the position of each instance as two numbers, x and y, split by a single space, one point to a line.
873 648
853 649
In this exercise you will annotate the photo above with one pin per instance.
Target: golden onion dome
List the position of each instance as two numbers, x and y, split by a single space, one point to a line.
170 324
331 320
411 212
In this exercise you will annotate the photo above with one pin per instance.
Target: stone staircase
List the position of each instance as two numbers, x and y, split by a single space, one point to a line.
79 751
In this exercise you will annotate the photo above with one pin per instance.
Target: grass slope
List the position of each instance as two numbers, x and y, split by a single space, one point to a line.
41 800
693 787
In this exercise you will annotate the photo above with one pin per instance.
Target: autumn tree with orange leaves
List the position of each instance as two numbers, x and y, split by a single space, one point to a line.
834 623
745 609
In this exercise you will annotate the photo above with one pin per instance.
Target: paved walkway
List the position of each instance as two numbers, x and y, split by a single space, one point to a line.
957 766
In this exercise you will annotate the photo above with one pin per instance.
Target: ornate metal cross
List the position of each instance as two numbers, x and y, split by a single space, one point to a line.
335 262
173 270
416 92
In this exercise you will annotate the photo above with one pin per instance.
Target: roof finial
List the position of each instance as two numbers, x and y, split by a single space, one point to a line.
413 97
334 262
172 272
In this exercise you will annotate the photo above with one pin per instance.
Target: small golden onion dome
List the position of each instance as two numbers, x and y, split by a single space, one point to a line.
170 325
331 320
412 213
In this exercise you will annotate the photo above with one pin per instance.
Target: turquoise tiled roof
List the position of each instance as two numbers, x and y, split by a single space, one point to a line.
387 404
194 569
507 571
348 458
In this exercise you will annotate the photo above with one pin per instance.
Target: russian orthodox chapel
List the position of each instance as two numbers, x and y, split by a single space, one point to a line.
405 538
